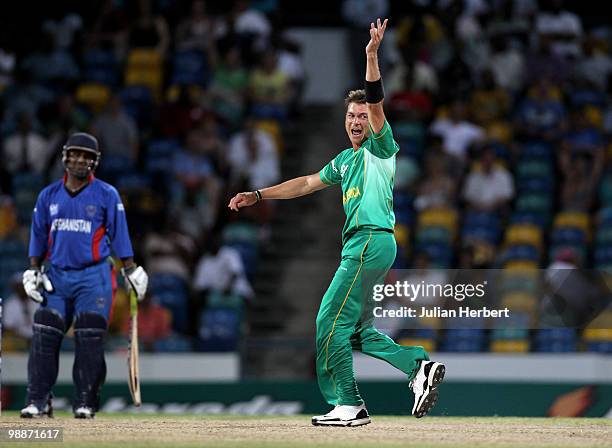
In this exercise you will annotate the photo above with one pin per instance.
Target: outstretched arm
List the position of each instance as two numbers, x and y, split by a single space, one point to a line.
294 188
376 114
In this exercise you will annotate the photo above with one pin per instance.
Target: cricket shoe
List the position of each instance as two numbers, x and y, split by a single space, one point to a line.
84 412
33 411
343 415
424 385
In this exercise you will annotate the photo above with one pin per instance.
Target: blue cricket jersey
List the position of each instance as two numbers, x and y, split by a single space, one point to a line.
74 232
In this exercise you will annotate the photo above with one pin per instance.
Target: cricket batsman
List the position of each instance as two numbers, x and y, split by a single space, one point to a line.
76 222
365 172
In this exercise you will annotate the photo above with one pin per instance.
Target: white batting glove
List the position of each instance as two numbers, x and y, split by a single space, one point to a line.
32 280
137 279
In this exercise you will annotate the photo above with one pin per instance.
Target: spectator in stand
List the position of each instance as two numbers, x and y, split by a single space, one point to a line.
563 27
580 180
154 322
196 187
544 63
254 157
51 65
26 150
252 28
413 75
229 87
111 29
488 186
149 30
195 32
358 14
438 188
116 131
596 65
270 89
177 115
168 251
221 270
290 63
412 100
541 114
507 64
490 103
461 75
19 311
24 95
457 133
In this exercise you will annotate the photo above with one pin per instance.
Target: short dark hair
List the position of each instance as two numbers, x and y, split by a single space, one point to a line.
355 96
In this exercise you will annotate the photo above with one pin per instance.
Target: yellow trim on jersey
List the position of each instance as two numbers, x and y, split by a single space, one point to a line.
342 306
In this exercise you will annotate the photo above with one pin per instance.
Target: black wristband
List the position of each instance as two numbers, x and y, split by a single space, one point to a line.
374 91
258 195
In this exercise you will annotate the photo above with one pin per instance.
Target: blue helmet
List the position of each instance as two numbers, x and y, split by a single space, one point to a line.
82 141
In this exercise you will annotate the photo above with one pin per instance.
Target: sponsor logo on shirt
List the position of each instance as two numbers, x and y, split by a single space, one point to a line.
91 210
53 209
351 193
120 207
71 225
343 170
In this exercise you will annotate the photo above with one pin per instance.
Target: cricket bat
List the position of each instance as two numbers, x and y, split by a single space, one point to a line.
133 375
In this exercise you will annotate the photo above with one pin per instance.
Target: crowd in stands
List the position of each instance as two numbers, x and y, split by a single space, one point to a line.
502 113
188 107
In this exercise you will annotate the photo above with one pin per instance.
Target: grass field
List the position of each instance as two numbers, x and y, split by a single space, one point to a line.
156 431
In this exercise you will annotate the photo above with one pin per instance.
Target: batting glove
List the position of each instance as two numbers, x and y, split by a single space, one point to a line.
32 280
137 280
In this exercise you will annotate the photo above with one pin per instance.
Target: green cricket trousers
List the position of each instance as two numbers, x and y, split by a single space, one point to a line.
344 321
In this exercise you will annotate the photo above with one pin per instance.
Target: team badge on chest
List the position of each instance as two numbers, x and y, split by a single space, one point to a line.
91 210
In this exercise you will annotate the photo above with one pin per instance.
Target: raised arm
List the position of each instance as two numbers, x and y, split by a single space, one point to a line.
374 90
294 188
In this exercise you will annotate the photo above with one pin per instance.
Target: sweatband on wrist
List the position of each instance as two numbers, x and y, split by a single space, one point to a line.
374 91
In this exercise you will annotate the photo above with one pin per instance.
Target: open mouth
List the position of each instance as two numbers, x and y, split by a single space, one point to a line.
356 132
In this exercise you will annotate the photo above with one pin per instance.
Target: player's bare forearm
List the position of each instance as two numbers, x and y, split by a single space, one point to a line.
294 188
376 114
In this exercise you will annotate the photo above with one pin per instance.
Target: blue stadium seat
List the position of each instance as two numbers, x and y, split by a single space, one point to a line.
521 252
100 66
536 151
219 330
160 154
538 219
249 254
600 347
440 254
173 344
171 292
138 103
191 68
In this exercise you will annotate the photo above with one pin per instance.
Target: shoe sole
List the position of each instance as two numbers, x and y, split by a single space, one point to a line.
436 375
430 394
35 416
83 417
344 423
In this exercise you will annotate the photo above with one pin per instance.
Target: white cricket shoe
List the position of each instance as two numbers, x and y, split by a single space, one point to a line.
424 385
33 411
343 415
84 412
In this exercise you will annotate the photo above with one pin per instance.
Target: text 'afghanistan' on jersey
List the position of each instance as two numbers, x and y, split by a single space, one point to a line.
74 232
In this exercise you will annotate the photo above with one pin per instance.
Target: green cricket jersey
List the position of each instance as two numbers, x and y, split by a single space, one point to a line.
366 177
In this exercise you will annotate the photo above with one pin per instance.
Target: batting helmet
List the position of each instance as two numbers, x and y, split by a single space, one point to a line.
82 141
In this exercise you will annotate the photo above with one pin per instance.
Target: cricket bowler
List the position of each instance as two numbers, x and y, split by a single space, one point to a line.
365 172
76 222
